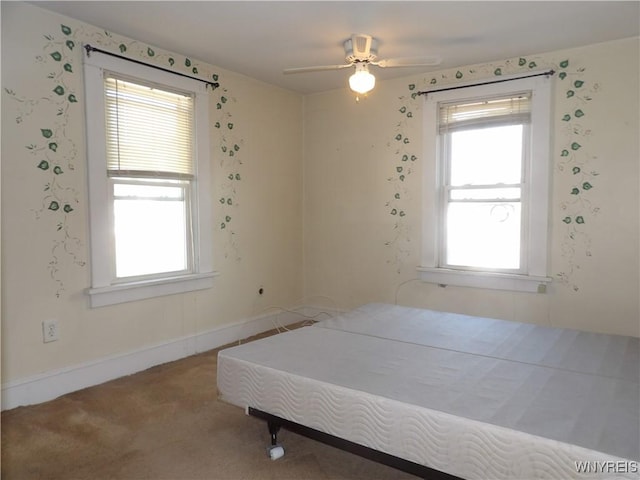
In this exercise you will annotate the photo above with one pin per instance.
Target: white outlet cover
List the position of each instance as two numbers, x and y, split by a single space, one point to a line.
49 331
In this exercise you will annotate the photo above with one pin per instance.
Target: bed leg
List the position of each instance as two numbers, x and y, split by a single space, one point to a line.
275 451
274 428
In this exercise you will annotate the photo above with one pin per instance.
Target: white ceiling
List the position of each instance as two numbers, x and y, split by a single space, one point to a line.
261 38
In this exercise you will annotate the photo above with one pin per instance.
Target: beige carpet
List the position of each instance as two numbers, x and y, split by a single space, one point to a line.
163 423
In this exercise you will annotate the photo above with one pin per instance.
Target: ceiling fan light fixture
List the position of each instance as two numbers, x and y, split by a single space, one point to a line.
362 81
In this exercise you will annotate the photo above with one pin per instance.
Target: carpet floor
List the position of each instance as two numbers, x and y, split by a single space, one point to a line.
163 423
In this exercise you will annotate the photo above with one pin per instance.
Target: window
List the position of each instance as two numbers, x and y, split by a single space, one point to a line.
148 149
486 184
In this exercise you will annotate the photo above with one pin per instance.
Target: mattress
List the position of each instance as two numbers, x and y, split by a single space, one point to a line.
472 397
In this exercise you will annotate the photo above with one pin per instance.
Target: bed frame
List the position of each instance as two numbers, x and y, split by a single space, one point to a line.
274 424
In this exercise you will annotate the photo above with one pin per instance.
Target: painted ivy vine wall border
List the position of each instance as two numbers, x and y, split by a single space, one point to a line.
576 166
230 146
55 152
573 160
405 157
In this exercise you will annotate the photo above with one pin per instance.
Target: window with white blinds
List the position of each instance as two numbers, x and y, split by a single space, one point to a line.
150 192
149 129
486 185
509 110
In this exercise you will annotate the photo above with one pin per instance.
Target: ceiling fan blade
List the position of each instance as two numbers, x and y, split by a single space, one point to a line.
316 68
408 62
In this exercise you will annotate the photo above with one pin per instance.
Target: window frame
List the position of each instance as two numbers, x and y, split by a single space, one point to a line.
105 289
535 191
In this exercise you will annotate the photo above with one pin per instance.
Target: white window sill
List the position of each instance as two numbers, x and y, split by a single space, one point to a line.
495 281
129 292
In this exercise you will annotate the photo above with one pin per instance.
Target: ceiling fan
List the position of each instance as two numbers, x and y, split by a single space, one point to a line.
361 51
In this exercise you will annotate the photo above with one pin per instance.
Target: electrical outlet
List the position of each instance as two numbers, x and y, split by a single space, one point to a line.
49 331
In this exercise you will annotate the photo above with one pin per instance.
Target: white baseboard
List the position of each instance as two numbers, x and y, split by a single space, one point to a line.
49 385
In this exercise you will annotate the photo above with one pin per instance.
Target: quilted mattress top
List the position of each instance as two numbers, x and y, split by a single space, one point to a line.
564 385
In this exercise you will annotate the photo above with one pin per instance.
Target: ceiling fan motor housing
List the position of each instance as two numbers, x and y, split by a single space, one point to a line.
361 48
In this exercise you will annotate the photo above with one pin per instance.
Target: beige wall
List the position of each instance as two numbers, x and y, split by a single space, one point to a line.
311 214
357 251
45 253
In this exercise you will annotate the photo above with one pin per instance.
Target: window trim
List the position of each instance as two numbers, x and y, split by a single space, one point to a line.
103 290
537 191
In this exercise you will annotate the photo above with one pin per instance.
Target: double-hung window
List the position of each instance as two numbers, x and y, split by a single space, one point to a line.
486 186
147 134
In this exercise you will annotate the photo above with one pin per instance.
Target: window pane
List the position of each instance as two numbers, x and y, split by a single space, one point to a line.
150 235
485 194
486 156
147 191
483 235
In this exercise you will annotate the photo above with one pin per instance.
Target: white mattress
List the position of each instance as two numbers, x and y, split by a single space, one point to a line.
473 397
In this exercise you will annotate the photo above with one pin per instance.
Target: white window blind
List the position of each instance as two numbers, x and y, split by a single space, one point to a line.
149 130
510 110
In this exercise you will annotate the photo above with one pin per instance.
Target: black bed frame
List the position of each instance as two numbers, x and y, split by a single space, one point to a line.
274 424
